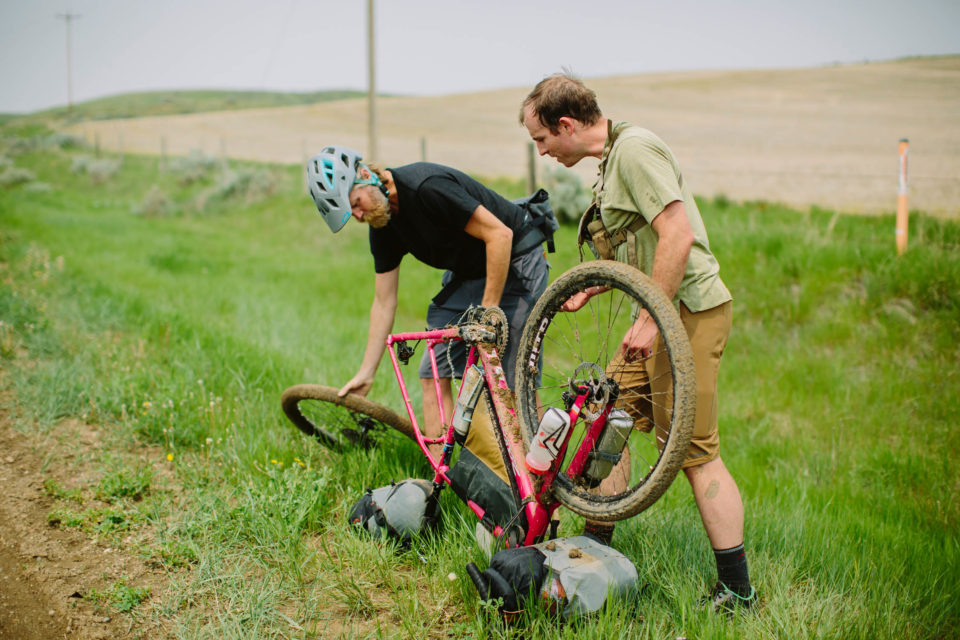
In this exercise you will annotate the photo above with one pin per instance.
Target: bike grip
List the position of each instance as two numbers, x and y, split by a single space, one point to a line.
478 581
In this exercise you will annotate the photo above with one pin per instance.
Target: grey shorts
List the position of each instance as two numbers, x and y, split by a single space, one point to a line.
525 284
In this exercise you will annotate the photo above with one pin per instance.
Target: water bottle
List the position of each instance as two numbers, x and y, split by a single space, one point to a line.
610 445
546 444
466 401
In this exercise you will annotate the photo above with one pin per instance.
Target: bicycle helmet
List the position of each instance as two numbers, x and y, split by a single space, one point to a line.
331 175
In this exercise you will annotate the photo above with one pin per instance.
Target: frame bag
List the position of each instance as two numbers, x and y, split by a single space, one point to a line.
481 476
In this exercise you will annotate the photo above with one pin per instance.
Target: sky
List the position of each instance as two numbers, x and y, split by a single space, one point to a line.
432 47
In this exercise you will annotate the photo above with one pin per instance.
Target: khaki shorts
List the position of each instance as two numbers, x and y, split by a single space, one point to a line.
647 389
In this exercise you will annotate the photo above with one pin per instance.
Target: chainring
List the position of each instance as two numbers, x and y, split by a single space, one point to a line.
494 316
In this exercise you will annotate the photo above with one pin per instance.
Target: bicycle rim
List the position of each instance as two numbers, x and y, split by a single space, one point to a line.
342 423
584 344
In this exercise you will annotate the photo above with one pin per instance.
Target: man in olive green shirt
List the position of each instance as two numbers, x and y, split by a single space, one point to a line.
641 190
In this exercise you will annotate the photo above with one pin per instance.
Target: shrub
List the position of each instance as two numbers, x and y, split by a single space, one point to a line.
99 169
17 145
568 196
64 141
193 167
13 176
79 164
245 185
156 204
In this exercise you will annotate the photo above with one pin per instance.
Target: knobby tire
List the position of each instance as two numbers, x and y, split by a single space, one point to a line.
588 339
338 422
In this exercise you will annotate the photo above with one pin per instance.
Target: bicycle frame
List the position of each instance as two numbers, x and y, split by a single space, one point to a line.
537 501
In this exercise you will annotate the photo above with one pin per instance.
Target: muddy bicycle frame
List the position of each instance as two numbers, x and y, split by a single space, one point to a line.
536 499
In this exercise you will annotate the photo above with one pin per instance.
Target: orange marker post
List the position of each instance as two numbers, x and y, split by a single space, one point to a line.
902 210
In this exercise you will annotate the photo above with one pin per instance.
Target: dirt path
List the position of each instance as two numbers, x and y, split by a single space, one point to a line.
45 572
22 613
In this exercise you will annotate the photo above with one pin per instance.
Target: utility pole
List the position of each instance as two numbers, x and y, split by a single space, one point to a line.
68 18
903 212
371 88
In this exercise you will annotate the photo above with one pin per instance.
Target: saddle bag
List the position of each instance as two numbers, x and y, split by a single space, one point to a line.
569 576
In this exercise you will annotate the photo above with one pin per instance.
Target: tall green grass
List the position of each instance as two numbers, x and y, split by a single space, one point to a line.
178 331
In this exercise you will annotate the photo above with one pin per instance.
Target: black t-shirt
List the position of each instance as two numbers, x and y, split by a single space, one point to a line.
436 203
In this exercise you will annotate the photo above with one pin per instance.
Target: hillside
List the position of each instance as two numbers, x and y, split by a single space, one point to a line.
824 136
161 103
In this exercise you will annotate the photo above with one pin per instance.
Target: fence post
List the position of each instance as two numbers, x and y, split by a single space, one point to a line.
531 167
304 150
423 148
903 212
224 167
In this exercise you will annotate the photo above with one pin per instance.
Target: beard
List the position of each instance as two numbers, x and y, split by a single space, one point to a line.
379 215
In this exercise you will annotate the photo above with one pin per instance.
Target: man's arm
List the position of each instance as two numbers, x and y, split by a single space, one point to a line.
674 240
382 313
498 239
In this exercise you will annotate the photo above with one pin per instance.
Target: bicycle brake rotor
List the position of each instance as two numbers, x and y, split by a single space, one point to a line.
362 437
496 317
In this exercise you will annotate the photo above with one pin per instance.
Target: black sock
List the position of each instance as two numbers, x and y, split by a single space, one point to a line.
732 569
601 532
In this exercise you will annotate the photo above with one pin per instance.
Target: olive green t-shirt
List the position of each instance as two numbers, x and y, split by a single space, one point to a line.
639 175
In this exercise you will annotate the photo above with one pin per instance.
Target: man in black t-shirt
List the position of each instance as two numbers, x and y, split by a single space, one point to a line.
448 220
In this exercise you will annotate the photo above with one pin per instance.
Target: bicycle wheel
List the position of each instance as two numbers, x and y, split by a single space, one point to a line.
341 423
583 345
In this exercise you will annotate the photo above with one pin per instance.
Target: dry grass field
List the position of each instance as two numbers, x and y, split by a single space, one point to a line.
824 136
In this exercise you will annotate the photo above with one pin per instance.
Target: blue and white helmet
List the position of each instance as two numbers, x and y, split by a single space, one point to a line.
331 175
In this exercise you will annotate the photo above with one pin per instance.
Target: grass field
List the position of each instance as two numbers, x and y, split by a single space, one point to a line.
168 307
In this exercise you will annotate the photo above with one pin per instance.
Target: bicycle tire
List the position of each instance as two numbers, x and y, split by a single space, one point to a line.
341 423
562 342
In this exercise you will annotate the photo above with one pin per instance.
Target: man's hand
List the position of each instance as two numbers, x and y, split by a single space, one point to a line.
577 300
638 342
360 384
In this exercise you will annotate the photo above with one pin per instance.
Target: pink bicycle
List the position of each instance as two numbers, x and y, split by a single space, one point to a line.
620 445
